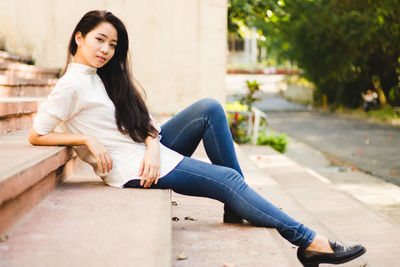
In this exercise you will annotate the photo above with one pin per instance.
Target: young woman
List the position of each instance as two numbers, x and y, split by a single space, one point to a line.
102 113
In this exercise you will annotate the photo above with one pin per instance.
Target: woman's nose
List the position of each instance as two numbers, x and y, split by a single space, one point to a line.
104 48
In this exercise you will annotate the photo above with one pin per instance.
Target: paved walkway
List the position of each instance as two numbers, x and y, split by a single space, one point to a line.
381 196
355 155
370 147
303 194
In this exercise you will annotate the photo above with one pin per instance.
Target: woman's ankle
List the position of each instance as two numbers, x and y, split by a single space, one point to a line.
320 244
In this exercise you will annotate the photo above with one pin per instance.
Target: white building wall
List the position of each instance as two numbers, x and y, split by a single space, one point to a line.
178 47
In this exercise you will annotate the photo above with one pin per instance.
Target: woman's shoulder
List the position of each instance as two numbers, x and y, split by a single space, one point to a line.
67 82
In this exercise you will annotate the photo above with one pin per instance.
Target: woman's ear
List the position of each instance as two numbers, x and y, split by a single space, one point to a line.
78 38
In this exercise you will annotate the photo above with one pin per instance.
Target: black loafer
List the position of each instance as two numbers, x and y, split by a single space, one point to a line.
341 254
230 216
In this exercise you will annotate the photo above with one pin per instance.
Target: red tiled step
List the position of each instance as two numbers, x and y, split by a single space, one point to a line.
16 112
25 71
17 105
25 90
113 227
13 86
86 223
13 81
27 174
7 57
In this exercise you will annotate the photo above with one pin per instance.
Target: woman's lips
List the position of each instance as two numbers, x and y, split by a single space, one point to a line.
101 58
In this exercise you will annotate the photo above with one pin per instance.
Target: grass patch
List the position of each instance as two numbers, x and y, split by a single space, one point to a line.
276 141
383 114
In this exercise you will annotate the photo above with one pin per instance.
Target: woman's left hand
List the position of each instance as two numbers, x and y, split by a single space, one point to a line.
149 170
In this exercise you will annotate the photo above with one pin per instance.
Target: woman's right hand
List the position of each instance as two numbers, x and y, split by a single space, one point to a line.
103 158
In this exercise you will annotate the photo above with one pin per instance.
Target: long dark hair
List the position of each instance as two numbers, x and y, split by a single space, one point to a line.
131 113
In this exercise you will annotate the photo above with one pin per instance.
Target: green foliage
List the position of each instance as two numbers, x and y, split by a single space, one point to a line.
394 95
298 80
339 45
238 125
235 106
276 141
238 122
249 98
383 114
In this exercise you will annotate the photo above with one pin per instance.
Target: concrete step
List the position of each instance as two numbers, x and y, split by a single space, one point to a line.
19 105
7 80
346 217
26 90
27 174
14 86
301 193
16 113
86 223
24 71
232 244
11 57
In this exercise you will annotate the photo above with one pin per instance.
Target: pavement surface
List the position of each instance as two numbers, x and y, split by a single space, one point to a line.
370 147
360 157
200 230
300 192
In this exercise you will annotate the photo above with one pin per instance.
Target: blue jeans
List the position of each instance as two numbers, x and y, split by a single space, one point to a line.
223 179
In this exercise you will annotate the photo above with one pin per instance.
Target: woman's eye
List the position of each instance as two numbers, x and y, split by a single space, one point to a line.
99 39
113 45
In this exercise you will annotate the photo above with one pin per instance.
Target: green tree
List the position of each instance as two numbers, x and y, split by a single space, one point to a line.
339 44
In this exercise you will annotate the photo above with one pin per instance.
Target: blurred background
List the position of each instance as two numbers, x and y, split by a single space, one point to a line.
324 72
316 80
178 47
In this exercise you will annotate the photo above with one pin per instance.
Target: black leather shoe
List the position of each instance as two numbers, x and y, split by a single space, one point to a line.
341 254
230 216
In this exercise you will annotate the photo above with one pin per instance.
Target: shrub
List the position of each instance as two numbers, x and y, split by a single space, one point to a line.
238 123
276 141
394 95
249 98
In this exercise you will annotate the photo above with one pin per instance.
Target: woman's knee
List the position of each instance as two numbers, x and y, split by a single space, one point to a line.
209 106
233 179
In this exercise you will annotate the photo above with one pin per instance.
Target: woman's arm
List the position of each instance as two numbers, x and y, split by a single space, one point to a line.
149 170
54 139
104 161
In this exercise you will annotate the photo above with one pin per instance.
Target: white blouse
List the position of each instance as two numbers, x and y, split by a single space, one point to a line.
79 104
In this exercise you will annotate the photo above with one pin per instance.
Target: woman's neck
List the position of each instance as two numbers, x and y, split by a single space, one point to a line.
80 60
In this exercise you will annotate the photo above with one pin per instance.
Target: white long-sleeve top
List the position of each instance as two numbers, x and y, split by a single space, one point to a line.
79 104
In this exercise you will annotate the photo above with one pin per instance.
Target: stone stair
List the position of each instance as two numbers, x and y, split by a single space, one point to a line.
85 223
10 57
53 210
16 113
22 88
15 87
27 173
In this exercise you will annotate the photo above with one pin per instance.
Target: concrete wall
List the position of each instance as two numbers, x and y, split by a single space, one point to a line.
178 47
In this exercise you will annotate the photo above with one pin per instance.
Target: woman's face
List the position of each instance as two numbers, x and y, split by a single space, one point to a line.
97 47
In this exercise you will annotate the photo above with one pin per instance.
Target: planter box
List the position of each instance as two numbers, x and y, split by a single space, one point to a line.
298 94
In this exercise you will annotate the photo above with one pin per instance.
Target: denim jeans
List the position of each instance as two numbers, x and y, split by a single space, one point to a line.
223 179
